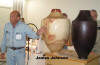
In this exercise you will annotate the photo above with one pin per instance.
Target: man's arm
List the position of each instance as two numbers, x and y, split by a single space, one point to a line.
3 44
31 33
35 35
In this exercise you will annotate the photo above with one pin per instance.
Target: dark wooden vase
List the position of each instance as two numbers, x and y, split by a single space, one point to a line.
84 34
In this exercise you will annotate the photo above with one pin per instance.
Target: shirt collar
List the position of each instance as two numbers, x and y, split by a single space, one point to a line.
19 22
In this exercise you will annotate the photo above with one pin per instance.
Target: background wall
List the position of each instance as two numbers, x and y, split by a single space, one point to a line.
4 18
36 10
6 6
6 3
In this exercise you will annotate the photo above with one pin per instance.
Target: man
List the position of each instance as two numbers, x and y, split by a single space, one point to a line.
96 49
14 39
94 14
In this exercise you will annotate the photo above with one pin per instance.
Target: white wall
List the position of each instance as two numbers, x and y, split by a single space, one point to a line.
6 3
5 9
36 10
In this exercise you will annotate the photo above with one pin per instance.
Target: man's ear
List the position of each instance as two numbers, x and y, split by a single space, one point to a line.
18 18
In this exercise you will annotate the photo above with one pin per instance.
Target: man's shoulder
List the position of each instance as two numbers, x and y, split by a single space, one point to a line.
23 24
8 23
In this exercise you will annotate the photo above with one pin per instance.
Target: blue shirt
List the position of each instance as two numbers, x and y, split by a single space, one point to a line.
16 37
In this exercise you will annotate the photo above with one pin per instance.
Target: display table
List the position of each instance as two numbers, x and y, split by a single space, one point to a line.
71 60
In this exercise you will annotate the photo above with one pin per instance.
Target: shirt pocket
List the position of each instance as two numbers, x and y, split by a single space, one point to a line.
7 35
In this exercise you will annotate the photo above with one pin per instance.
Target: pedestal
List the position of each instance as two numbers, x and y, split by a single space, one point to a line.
71 60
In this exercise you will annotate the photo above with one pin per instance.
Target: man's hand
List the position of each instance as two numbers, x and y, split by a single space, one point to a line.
2 55
93 53
41 30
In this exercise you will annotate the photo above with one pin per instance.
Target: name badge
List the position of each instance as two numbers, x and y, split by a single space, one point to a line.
18 36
